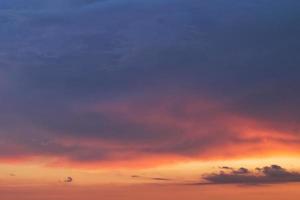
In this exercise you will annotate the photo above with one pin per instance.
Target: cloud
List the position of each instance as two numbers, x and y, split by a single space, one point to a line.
265 175
68 180
151 178
135 176
135 129
116 81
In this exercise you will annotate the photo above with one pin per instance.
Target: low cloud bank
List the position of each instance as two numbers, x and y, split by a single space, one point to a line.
265 175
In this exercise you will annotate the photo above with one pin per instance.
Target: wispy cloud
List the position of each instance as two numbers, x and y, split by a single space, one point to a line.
151 178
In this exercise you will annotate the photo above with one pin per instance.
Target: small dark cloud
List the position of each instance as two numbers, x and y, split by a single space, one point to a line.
241 170
151 178
161 179
12 174
135 176
68 180
226 168
265 175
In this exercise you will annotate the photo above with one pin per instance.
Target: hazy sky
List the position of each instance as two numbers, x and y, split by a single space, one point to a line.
149 92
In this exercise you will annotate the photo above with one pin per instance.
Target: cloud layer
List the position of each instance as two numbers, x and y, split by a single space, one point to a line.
111 81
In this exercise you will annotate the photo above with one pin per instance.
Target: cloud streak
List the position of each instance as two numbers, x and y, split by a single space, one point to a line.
150 178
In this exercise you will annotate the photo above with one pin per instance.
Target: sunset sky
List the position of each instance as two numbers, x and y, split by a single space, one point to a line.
149 99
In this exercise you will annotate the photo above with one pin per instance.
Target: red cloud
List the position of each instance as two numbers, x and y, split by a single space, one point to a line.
139 132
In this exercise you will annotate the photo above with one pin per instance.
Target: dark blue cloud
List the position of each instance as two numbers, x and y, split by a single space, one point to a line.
60 53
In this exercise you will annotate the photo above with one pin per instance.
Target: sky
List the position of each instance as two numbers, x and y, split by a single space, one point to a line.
140 98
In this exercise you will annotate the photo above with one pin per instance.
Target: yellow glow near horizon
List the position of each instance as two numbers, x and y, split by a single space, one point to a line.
188 171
